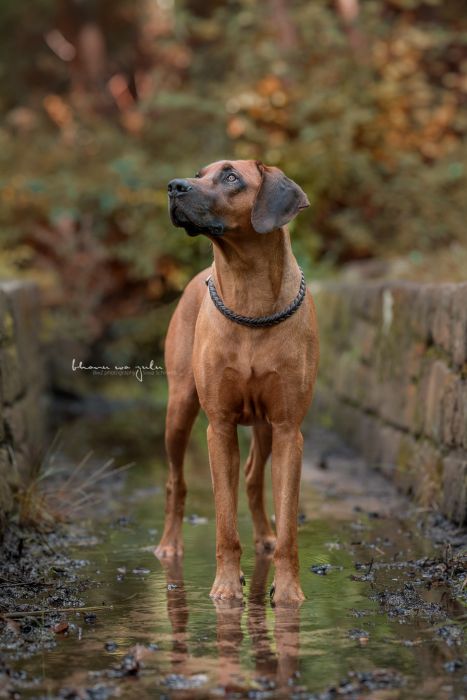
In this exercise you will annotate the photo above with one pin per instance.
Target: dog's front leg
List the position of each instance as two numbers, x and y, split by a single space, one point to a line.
224 459
287 448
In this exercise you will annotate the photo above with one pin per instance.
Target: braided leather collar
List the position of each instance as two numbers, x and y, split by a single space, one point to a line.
259 321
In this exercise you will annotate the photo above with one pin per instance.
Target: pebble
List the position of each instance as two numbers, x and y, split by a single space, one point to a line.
60 627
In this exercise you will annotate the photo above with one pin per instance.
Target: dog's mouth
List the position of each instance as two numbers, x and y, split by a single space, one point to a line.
181 220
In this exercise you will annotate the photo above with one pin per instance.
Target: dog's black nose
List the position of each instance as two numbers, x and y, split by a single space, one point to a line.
178 186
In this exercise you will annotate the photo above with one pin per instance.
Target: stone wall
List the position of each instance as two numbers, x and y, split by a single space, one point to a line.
22 380
393 381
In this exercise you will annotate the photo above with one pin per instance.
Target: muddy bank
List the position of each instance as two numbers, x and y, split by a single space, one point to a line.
90 613
41 588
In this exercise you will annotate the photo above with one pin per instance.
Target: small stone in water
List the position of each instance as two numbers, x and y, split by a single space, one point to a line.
453 635
110 646
60 627
359 634
177 681
130 665
320 569
364 577
196 519
90 618
451 666
172 586
139 571
123 521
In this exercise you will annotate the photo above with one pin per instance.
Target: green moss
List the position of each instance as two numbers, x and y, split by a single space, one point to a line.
8 331
404 461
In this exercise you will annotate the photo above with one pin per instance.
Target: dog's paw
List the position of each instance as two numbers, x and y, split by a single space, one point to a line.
227 589
168 551
289 593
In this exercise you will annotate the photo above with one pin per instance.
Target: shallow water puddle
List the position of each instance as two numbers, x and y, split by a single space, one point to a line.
372 625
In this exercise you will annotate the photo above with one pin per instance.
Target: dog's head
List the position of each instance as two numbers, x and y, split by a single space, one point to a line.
239 195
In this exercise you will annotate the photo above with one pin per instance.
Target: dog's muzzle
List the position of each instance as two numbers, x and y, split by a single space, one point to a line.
178 187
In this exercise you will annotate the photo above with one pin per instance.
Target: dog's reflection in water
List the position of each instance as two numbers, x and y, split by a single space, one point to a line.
275 664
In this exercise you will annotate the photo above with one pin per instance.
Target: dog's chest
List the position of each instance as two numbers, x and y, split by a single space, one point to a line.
247 389
252 376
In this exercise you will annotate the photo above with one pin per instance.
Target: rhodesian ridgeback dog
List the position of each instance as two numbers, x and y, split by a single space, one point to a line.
243 344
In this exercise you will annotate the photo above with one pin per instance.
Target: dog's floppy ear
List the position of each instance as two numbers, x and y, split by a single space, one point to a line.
278 201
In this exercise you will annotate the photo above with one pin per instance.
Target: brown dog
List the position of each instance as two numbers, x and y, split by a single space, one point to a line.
241 375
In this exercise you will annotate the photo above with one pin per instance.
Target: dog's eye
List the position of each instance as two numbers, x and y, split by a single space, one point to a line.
197 175
231 178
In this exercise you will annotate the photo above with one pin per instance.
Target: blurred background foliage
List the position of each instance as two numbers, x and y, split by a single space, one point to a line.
103 101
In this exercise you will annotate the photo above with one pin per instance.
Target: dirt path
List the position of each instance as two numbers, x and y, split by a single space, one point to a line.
90 613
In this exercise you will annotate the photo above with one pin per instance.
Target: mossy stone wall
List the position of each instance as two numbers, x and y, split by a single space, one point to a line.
393 380
22 381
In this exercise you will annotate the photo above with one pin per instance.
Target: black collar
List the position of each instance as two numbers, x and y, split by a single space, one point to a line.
259 321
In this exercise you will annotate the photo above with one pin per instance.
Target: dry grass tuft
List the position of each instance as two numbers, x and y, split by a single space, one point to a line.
51 493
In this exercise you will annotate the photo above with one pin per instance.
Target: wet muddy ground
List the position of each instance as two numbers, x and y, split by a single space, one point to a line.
89 612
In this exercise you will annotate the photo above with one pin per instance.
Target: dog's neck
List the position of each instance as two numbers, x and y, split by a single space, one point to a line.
255 274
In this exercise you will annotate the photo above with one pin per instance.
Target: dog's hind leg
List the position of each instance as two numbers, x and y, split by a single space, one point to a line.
260 450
